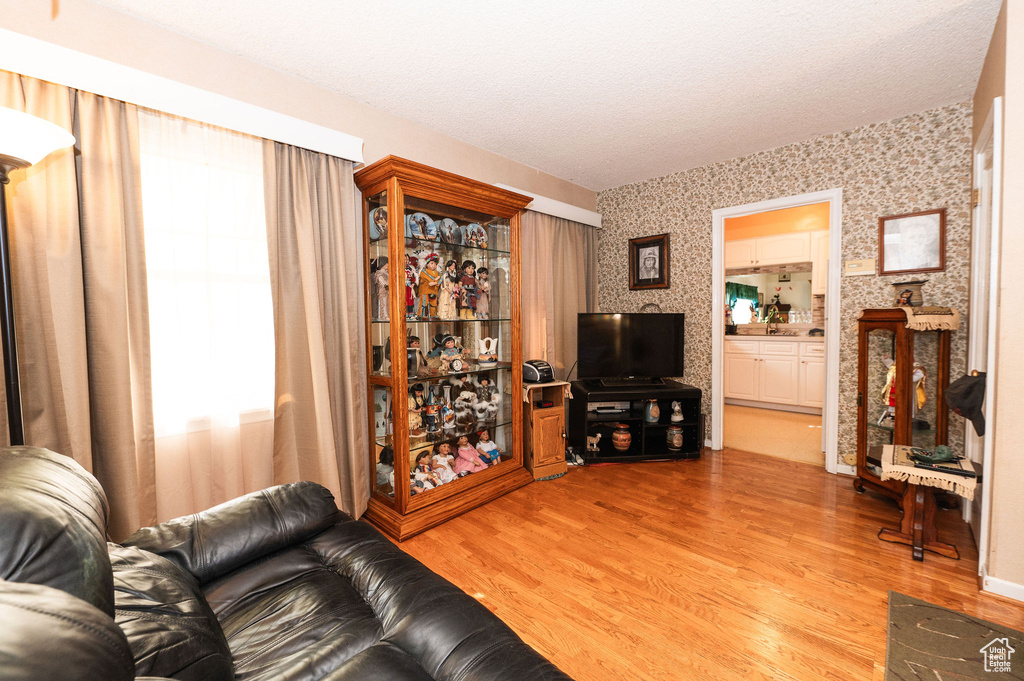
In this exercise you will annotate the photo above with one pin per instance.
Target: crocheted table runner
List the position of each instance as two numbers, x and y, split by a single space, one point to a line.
932 318
897 465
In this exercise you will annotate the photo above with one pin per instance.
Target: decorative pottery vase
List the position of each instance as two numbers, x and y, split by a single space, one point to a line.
652 412
378 357
487 352
674 438
621 438
908 293
431 414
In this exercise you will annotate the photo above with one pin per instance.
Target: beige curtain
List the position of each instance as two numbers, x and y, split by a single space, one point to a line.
320 425
559 281
80 296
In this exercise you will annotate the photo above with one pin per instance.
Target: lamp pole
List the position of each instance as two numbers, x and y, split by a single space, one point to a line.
24 141
15 420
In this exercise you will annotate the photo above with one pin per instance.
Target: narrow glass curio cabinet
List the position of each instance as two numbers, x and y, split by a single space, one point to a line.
443 334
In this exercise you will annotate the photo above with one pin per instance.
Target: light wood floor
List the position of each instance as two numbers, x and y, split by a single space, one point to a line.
734 566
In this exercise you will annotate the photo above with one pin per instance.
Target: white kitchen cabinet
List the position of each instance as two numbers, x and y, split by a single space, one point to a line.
780 249
740 253
741 377
819 262
777 379
776 371
812 375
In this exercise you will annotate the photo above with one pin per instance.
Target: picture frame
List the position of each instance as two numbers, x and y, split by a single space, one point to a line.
912 242
649 262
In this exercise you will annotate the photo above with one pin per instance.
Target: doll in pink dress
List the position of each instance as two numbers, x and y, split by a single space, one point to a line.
469 460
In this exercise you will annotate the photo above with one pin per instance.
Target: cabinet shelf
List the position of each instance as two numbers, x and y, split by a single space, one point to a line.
462 249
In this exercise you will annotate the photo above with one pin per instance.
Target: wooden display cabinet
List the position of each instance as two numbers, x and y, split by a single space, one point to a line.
414 214
882 336
544 429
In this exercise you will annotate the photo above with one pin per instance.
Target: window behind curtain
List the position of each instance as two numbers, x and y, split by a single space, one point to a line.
211 320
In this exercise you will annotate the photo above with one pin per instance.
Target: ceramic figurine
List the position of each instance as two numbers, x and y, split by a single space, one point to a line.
592 441
410 285
487 355
467 288
447 412
677 412
451 356
448 291
487 450
431 415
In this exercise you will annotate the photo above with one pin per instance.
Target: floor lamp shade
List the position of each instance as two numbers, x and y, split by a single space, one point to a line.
24 141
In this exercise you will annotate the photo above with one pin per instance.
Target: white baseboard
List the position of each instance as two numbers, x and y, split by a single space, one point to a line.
844 469
707 443
1001 587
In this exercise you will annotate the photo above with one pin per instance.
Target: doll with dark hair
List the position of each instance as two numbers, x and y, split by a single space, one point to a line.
443 462
423 472
487 450
467 288
386 467
483 293
468 460
430 279
417 403
448 291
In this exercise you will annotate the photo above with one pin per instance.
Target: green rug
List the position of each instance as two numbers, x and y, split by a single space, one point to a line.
927 641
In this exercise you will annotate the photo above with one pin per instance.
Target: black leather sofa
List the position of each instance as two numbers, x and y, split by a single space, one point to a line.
278 584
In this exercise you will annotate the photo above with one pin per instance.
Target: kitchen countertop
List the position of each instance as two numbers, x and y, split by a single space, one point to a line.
799 339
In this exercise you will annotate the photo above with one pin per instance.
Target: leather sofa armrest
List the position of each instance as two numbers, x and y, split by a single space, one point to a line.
216 541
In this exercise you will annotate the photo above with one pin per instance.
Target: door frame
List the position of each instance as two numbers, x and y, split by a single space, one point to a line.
829 411
992 129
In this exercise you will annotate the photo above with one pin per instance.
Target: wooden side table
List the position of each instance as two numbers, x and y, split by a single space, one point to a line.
544 429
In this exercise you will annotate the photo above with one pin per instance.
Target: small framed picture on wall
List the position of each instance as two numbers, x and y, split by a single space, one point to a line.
912 242
648 262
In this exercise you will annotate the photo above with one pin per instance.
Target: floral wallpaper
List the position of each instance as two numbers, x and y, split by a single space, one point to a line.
913 163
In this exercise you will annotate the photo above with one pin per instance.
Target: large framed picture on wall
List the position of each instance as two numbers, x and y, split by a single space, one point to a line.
649 262
912 242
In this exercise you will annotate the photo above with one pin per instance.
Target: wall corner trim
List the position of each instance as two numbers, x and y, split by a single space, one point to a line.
1002 587
559 209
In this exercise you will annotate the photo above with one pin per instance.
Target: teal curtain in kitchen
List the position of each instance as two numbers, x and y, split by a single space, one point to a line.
735 291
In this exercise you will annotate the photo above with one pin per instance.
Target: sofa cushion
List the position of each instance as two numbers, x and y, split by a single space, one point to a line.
350 604
46 633
171 629
53 525
225 537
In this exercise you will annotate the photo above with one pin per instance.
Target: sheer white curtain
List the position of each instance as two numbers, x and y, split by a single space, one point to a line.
210 312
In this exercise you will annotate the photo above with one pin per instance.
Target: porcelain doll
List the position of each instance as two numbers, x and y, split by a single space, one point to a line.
416 406
468 460
449 291
380 279
483 293
443 462
430 279
424 471
487 450
449 352
467 288
386 467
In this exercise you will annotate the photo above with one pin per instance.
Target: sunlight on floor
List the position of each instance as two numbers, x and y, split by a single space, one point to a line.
784 434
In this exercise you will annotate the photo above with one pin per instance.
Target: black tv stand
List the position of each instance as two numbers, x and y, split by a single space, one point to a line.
648 439
630 382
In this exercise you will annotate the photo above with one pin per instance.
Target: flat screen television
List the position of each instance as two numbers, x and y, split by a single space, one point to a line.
636 346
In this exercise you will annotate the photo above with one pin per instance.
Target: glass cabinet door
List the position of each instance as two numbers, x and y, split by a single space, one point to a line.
880 393
457 305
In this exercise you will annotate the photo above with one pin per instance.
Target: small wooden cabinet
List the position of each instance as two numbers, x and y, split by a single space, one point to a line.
544 429
894 412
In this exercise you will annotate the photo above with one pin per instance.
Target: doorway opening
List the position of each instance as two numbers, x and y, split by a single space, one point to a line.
775 344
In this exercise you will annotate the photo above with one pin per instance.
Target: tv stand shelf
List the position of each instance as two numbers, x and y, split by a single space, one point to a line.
648 439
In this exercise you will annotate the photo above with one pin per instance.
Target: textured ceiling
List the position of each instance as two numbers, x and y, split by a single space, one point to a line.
607 92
